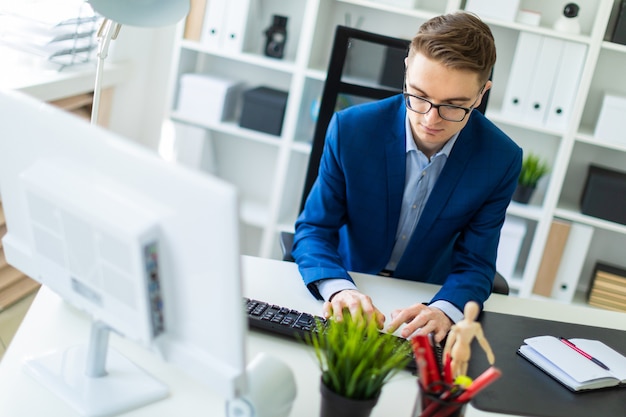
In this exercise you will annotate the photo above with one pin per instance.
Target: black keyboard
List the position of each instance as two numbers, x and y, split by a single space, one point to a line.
291 323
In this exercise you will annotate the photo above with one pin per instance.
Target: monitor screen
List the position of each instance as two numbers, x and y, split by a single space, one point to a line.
147 248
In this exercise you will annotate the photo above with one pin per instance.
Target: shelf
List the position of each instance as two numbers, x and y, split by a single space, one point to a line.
387 7
571 212
540 30
316 74
243 57
614 47
525 211
497 117
586 136
230 128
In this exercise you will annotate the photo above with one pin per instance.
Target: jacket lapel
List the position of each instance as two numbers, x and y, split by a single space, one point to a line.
395 158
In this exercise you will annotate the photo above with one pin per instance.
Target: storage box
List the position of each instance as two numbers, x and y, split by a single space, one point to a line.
608 287
511 238
206 98
610 127
405 4
503 10
604 195
263 110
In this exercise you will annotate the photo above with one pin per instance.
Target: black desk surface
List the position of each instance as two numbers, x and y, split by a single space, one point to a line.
524 389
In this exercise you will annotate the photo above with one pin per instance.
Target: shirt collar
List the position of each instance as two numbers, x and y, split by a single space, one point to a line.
410 142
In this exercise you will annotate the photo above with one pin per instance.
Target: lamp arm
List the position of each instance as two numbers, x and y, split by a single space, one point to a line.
108 31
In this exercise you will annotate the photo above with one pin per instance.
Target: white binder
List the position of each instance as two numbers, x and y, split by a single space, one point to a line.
213 27
540 90
572 261
235 25
516 94
566 85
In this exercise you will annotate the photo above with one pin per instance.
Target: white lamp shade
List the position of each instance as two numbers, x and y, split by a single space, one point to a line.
148 13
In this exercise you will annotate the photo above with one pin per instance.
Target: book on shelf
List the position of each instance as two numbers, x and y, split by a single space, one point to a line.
608 287
551 260
571 367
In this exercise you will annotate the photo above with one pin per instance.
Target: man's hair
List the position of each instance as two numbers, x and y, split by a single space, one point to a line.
459 41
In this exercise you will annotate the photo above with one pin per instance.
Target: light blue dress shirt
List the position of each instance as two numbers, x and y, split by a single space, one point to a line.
421 176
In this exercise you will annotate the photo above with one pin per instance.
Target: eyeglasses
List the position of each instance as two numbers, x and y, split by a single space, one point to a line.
448 112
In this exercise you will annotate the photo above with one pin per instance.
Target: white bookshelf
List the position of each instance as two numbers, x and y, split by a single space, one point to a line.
270 170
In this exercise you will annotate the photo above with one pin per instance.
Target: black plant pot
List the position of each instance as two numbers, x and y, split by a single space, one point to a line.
335 405
523 194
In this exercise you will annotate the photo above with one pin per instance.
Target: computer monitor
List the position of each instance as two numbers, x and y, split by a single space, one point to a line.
147 248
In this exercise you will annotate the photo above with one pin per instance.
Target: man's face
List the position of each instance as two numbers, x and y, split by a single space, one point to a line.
440 85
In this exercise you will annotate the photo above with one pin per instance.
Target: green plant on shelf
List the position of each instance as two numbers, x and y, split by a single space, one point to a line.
533 169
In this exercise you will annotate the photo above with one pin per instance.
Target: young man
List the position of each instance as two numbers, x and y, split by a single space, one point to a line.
415 186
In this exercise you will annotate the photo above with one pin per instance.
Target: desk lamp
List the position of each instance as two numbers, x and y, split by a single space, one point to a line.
144 13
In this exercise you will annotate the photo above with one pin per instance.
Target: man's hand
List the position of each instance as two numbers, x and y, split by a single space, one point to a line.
357 303
422 319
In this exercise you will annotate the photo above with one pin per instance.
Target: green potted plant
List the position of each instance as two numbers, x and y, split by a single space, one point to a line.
533 168
356 360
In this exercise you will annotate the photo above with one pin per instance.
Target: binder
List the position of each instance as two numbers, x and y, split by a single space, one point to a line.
521 74
552 254
194 20
542 84
566 84
572 262
213 28
235 25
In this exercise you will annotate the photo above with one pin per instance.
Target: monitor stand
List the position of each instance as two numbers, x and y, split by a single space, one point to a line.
91 382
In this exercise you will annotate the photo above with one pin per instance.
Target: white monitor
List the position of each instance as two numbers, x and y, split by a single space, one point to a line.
148 248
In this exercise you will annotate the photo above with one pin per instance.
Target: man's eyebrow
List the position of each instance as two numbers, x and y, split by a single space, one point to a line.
424 94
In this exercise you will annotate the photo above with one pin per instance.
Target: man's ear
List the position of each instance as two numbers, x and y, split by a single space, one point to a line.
488 85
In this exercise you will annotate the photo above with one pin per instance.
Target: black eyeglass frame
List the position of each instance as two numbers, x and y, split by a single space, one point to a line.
467 110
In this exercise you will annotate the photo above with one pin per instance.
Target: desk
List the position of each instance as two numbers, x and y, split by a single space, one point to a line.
50 323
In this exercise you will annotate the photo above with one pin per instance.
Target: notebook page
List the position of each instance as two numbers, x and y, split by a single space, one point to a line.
566 358
605 354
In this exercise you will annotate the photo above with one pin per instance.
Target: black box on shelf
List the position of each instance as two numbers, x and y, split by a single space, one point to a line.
608 287
619 32
263 110
604 195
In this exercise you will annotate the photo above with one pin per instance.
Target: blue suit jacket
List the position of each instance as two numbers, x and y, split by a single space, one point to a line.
351 215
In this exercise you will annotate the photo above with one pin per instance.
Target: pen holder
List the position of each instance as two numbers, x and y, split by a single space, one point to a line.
431 404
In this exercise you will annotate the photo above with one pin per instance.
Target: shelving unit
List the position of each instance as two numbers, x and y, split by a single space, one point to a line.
269 170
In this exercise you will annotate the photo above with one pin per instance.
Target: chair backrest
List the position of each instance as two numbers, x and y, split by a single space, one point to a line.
363 66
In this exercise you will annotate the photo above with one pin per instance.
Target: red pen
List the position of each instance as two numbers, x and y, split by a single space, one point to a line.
582 352
432 376
447 370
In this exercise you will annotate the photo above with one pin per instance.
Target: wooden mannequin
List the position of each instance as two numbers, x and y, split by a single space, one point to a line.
460 339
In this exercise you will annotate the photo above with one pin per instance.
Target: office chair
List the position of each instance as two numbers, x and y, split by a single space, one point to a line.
340 82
